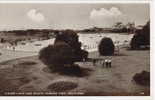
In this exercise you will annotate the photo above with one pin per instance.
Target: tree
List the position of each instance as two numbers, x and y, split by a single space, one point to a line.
141 38
71 38
57 56
106 47
146 33
118 25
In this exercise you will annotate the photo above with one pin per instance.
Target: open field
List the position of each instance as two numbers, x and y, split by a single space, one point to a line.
30 74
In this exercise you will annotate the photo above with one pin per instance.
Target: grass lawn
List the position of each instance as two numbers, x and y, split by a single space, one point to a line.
30 74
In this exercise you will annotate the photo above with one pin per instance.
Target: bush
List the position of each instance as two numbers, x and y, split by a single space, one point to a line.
142 78
106 47
84 54
57 56
71 38
65 51
141 37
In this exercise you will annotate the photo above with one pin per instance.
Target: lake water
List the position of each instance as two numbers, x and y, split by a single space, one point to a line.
89 42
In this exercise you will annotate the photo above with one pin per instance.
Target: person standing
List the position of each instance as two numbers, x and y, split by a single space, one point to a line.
106 63
109 63
94 62
103 63
13 48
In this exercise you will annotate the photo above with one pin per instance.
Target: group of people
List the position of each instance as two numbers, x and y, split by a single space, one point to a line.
105 63
11 46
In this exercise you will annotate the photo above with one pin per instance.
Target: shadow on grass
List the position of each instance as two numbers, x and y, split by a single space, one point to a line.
27 63
120 55
74 70
139 49
104 57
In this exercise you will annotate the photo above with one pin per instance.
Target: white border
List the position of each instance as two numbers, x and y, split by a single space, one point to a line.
152 51
75 1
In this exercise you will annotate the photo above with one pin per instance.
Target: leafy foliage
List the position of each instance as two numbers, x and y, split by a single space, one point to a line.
71 38
64 52
106 47
141 38
57 56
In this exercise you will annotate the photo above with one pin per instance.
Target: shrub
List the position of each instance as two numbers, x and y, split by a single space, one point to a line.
142 78
62 86
141 38
71 38
57 56
83 54
106 47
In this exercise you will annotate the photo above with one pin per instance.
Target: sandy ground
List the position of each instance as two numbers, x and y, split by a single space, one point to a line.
89 42
30 74
10 54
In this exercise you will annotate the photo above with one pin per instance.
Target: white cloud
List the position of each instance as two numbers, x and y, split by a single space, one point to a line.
35 15
106 18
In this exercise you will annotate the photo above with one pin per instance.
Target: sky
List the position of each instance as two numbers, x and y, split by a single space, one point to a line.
70 16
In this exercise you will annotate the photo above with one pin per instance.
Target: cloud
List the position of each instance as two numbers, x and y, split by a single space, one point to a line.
35 15
106 18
